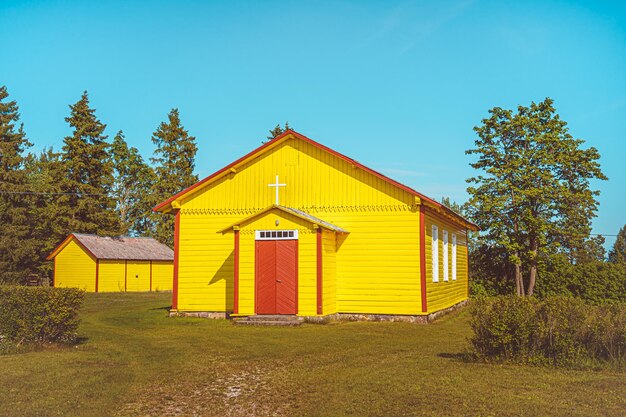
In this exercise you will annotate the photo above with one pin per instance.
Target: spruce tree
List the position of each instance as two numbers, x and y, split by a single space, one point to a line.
46 173
89 174
617 254
174 161
14 219
277 131
133 179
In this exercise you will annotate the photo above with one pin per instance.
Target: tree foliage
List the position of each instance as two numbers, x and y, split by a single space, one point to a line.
174 160
278 130
88 174
14 207
46 173
133 180
91 186
617 254
533 191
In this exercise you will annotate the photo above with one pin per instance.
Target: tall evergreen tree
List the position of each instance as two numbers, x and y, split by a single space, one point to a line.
46 173
277 131
617 254
89 174
131 188
14 220
174 161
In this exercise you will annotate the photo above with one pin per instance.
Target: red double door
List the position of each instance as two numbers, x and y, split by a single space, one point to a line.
276 276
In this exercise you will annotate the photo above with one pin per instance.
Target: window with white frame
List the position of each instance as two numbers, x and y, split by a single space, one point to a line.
446 271
275 234
453 257
435 253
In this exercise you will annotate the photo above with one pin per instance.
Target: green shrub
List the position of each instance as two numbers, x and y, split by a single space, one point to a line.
503 326
561 331
39 314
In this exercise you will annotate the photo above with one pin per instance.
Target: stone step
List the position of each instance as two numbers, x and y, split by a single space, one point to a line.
266 323
269 320
273 317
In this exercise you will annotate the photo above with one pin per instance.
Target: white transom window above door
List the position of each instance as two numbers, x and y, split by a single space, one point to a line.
275 234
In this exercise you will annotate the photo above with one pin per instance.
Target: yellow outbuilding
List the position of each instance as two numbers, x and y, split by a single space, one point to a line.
112 264
296 228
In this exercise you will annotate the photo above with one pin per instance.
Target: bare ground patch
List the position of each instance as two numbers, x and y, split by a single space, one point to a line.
221 391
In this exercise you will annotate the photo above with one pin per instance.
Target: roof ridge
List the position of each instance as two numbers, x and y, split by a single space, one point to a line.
113 237
294 134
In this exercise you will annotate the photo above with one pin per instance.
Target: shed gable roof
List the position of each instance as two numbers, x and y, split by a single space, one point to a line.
119 248
174 201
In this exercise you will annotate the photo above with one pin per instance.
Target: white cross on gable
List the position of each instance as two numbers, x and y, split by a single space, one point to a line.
277 185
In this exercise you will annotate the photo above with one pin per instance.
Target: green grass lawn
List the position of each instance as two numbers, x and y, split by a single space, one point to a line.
136 361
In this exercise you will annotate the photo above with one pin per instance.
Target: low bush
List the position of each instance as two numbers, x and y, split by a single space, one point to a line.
39 314
562 331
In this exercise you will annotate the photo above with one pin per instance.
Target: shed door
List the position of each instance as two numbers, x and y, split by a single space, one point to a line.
276 276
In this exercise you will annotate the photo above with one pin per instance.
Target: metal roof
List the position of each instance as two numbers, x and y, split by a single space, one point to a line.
298 213
313 219
120 248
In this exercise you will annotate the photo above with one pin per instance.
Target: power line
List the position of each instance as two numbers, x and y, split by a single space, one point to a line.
47 193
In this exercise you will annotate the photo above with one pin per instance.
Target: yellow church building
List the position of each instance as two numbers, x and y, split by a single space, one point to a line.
296 228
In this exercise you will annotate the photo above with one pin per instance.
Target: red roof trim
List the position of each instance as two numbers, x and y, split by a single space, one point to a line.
58 249
320 146
226 168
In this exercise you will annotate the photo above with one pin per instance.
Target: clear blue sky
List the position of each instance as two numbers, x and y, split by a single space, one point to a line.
395 85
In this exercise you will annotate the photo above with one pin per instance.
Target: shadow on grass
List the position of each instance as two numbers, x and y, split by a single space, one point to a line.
459 357
81 340
16 348
168 308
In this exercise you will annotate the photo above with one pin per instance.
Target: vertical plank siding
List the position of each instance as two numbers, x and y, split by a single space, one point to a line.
75 268
162 272
111 276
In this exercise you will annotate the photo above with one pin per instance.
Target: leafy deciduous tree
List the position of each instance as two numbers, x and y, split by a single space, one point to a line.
535 190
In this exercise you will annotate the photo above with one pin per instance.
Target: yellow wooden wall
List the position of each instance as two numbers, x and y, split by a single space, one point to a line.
162 275
307 261
206 263
74 267
445 294
138 276
314 178
111 276
329 272
377 263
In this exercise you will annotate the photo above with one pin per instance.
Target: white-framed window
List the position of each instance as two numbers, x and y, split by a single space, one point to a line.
275 234
435 253
453 256
446 271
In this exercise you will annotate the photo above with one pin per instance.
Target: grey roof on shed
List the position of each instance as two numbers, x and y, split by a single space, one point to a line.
125 248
